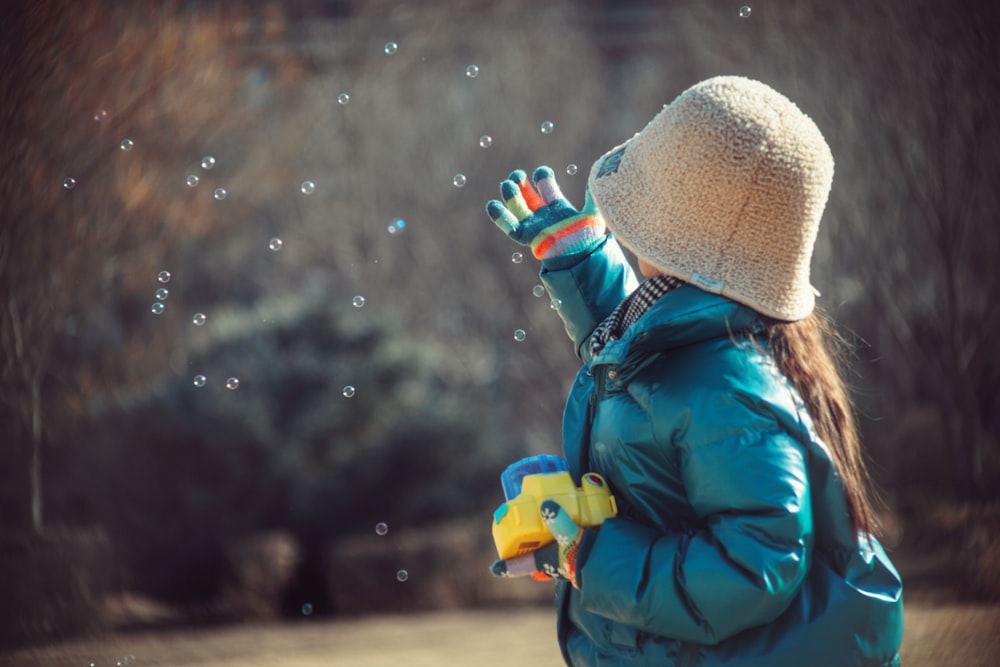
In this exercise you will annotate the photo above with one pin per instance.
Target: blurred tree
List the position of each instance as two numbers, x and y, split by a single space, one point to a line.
93 192
919 243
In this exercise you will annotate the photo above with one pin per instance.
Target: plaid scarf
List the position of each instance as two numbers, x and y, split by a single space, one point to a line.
631 309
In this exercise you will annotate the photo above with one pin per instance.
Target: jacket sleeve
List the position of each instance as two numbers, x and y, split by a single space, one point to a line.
742 565
589 290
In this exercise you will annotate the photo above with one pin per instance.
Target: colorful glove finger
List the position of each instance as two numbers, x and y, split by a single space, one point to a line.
568 536
554 561
542 564
539 216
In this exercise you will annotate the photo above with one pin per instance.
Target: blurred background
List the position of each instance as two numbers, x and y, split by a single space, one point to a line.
257 335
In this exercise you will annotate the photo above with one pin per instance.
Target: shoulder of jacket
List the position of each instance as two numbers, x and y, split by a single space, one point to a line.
689 315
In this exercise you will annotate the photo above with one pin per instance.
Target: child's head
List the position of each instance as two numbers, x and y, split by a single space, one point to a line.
724 189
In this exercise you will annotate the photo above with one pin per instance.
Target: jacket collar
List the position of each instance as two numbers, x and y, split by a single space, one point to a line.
682 316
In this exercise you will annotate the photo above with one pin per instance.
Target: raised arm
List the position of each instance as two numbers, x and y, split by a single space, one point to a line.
583 269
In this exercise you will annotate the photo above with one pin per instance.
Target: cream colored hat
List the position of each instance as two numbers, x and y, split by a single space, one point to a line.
724 189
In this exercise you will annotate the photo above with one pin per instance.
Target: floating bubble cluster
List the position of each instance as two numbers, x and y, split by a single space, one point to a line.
519 335
459 180
548 126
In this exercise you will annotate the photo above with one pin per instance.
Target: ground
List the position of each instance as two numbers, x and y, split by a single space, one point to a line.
937 635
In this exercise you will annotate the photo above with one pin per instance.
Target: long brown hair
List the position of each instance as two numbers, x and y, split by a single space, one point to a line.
810 352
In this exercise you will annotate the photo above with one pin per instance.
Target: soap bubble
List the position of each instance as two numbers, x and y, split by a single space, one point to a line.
358 301
516 257
164 277
548 126
69 183
381 528
100 115
192 181
158 308
307 187
472 71
391 48
571 169
485 141
402 575
162 294
275 244
459 180
307 609
200 380
343 99
555 304
199 319
232 384
208 163
519 335
397 226
744 11
126 144
538 291
220 193
348 391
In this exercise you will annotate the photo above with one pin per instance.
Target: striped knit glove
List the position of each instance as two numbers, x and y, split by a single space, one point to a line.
539 216
554 561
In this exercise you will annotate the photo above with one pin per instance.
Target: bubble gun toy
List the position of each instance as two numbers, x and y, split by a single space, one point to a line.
517 524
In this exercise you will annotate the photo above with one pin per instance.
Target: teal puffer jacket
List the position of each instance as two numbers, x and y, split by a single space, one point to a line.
733 544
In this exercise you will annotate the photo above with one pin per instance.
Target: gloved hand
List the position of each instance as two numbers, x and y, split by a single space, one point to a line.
553 561
542 218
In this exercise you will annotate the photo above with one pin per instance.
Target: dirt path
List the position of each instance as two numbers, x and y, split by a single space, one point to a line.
937 636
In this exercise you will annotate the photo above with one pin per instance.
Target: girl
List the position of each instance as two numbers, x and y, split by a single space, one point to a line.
708 400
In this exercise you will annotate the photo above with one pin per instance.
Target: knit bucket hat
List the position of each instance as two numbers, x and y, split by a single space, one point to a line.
723 189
